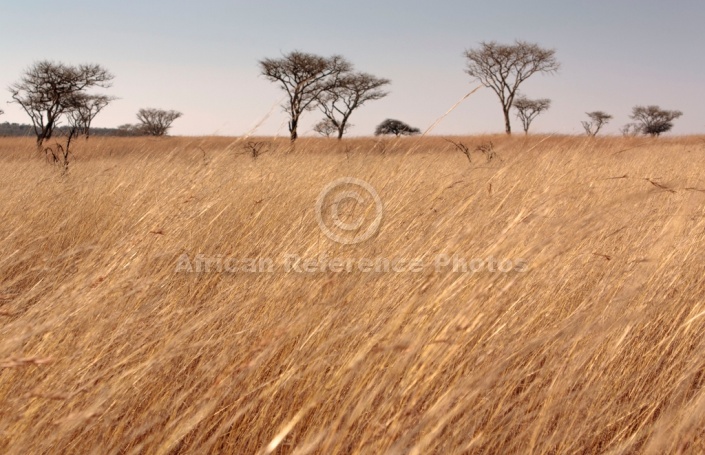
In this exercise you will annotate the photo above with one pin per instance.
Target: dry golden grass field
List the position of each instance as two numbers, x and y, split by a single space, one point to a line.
550 300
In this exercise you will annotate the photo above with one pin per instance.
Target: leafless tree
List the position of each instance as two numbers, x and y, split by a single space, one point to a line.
503 68
352 90
83 109
630 130
528 110
395 127
156 122
303 77
326 128
487 149
80 111
598 119
462 147
48 90
653 120
255 148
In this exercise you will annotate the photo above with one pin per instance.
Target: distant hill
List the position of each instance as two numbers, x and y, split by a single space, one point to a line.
18 130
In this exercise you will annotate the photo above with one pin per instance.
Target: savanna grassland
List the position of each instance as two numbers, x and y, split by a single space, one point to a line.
110 345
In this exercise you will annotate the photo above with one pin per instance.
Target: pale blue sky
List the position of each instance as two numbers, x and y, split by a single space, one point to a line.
201 57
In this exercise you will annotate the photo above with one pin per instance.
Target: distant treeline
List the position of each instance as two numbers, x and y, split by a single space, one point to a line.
16 129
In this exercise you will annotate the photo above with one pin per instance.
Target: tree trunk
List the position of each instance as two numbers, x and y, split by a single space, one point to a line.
46 131
341 130
341 125
507 124
293 124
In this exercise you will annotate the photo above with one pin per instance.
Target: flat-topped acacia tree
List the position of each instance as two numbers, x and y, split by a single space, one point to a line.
598 119
352 90
528 109
652 120
395 127
47 91
303 77
504 67
156 122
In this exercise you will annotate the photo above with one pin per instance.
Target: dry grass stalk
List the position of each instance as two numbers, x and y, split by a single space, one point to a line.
597 347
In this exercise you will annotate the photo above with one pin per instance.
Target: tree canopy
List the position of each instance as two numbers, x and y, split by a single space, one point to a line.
395 127
654 121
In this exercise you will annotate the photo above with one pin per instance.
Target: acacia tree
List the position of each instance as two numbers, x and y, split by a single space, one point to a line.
352 90
528 110
48 90
503 68
326 128
83 109
598 119
80 111
630 130
303 77
156 122
653 120
395 127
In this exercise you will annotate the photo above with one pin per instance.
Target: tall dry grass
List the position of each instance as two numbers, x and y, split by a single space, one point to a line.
597 348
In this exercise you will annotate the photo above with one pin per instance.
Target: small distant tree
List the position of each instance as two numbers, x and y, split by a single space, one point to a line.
83 110
630 130
303 77
395 127
653 120
326 128
503 68
156 122
598 119
528 110
48 90
349 92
